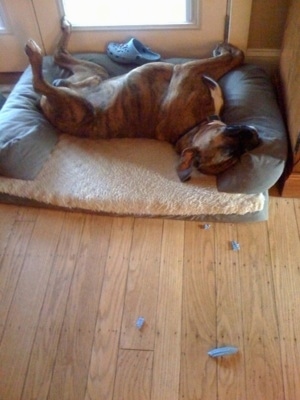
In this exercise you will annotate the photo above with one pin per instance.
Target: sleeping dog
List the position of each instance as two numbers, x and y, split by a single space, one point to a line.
156 100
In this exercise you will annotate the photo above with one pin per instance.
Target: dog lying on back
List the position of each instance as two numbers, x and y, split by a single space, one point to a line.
157 101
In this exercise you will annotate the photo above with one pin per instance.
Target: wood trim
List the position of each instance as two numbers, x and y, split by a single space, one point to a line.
239 24
168 42
291 187
266 58
9 77
263 53
21 26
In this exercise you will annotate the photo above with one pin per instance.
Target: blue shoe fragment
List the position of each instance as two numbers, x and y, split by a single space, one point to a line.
223 351
140 322
132 52
235 245
59 82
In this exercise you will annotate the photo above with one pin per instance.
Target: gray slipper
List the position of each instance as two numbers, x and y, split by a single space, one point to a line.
132 52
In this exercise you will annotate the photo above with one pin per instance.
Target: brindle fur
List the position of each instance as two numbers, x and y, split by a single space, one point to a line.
157 100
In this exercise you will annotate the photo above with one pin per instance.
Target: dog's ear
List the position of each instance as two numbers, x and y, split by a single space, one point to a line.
210 82
185 166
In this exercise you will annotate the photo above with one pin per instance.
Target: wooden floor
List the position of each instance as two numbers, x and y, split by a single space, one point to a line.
72 287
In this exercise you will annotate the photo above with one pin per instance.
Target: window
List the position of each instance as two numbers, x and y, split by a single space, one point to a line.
3 24
118 13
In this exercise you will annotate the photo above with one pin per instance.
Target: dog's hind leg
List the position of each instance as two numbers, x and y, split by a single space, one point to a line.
62 106
61 55
35 57
85 73
225 58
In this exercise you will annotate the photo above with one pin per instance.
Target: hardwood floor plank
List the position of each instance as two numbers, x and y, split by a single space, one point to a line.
142 285
134 375
29 214
198 371
166 367
72 286
104 357
285 250
25 309
261 353
46 341
231 370
73 355
8 215
297 212
11 265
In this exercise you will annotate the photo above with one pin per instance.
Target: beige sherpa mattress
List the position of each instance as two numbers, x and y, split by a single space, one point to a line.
128 177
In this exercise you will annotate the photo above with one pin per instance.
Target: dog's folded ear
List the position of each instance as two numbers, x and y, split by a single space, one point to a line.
185 166
210 82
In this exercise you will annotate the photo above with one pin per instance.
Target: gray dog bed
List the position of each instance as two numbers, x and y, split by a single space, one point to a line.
27 139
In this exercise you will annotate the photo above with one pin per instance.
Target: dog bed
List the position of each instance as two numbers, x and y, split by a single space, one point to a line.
28 145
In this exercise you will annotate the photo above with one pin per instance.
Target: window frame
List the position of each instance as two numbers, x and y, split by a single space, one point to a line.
6 29
193 17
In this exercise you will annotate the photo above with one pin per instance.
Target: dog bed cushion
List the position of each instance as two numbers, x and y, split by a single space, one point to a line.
27 139
2 100
128 177
250 100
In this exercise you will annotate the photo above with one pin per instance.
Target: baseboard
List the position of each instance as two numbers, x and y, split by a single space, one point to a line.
7 78
265 58
263 53
291 186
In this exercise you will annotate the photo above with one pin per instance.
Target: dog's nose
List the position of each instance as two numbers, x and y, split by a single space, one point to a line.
245 131
233 130
245 136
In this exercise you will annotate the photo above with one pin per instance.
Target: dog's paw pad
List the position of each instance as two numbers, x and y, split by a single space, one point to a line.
66 24
31 48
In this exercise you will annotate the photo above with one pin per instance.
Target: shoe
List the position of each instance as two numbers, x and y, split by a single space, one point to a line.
132 52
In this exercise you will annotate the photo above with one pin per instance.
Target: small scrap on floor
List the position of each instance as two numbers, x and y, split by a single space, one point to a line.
140 322
223 351
235 245
206 226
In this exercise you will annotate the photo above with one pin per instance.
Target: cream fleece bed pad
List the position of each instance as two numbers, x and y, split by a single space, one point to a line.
126 177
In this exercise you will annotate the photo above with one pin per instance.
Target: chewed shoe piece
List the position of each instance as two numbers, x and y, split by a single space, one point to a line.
59 82
132 52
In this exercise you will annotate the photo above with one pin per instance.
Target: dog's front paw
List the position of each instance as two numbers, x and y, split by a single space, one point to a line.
217 51
222 48
33 50
225 48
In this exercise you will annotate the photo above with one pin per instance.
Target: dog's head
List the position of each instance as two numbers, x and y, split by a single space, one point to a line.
214 147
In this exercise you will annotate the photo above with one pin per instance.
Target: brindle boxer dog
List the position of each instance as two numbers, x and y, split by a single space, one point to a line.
157 100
